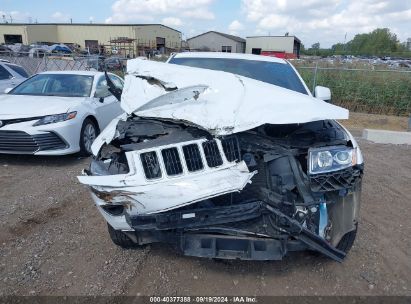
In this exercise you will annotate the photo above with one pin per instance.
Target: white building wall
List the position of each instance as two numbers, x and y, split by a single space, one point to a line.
266 43
78 33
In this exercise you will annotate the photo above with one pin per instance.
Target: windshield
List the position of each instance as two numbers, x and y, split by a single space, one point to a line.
66 85
279 74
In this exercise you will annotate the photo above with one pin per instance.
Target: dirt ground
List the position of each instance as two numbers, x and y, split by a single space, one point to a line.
359 121
54 242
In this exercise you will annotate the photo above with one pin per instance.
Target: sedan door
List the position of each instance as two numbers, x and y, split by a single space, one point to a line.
108 107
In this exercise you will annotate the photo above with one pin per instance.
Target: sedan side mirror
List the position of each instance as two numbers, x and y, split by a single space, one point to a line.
102 92
6 91
322 93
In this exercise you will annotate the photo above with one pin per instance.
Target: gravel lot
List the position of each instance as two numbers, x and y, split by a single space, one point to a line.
54 242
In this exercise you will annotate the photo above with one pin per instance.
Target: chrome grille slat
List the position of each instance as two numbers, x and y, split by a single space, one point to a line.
19 141
172 161
212 154
192 157
151 165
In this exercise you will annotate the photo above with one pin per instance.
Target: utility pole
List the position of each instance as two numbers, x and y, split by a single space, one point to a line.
345 39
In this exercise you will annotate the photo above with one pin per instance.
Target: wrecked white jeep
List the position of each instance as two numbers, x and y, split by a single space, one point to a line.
227 156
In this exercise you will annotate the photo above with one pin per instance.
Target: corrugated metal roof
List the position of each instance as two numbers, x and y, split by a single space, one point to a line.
232 37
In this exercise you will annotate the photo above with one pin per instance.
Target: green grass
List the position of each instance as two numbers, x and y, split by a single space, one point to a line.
365 91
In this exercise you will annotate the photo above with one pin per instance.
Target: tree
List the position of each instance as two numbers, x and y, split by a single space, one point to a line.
316 46
379 42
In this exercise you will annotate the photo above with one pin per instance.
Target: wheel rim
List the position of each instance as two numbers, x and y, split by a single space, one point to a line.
89 135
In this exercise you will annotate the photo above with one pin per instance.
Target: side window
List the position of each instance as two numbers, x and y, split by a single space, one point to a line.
19 70
117 81
4 74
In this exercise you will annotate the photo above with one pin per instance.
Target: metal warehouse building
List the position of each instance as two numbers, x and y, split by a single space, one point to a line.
92 35
278 46
217 42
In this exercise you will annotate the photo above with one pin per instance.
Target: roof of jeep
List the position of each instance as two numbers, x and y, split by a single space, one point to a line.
228 56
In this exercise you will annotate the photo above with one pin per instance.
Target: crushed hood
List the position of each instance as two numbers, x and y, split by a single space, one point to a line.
219 102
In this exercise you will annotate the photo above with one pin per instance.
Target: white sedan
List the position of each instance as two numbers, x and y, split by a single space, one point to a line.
56 113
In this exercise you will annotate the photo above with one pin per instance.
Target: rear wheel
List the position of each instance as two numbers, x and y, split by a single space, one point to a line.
347 240
120 238
88 134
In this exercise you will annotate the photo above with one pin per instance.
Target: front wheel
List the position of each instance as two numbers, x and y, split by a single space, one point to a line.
120 238
88 134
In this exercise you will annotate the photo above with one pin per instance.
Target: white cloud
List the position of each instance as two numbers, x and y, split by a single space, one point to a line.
14 16
326 21
148 10
200 13
236 26
172 21
60 17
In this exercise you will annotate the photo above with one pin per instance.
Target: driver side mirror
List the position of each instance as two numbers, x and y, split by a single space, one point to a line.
322 93
101 93
7 90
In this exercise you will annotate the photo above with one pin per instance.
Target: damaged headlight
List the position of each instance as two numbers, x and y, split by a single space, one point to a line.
328 159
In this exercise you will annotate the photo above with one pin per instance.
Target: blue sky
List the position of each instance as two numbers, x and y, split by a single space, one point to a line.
312 21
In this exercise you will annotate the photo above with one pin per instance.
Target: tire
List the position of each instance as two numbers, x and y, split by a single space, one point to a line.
119 238
347 241
89 132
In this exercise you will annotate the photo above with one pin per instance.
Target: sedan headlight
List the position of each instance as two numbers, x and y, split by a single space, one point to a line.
328 159
55 118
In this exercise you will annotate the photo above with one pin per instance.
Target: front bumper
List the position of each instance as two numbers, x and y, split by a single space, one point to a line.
249 231
54 139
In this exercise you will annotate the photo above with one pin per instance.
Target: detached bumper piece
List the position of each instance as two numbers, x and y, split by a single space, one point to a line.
229 232
228 247
19 141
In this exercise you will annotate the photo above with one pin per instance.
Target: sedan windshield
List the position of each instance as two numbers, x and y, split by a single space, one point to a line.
67 85
279 74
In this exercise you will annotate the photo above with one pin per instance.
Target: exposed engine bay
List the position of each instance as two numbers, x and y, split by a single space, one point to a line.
242 193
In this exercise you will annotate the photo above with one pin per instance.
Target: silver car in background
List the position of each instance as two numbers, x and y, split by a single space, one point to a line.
11 75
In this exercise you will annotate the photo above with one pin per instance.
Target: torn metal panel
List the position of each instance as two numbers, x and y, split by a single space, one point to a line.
230 104
107 135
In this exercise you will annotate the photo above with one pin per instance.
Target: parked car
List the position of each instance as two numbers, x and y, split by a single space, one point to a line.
114 63
55 113
11 75
227 156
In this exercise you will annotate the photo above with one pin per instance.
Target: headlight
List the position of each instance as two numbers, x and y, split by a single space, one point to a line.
55 118
331 159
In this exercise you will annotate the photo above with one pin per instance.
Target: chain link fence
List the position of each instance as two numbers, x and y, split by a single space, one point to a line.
363 90
37 63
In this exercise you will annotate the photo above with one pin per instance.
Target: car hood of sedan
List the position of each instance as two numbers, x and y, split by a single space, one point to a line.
219 102
24 106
